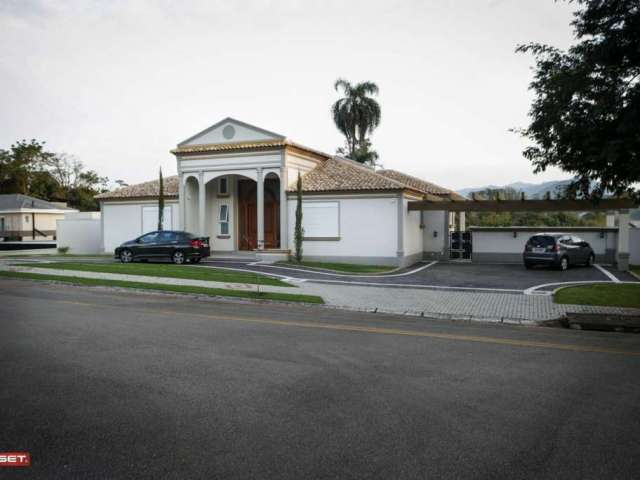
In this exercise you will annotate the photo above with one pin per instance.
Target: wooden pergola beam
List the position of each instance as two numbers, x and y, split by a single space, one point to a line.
560 205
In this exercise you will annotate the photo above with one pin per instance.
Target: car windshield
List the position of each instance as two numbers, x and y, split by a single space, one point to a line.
541 241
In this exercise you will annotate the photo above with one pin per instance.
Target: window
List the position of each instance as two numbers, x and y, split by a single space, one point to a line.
26 219
2 224
223 186
165 237
223 220
148 238
321 219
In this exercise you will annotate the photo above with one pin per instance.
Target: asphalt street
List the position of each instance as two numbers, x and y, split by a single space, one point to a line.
98 383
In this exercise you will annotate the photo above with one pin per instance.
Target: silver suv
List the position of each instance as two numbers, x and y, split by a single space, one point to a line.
557 249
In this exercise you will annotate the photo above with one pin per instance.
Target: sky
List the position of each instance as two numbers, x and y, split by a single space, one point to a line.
117 84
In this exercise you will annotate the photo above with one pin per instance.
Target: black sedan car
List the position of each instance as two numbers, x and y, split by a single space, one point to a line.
557 249
179 247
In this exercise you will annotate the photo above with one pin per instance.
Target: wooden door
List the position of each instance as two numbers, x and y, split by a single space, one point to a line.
248 215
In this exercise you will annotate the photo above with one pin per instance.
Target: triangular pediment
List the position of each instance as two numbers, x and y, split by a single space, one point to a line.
230 130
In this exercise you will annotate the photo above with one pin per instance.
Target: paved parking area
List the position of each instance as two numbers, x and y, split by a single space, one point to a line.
506 278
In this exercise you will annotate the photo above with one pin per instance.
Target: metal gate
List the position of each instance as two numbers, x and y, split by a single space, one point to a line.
460 246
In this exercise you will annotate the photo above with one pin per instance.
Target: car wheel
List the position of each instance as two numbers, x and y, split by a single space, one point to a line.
590 260
196 260
126 256
564 263
178 257
528 265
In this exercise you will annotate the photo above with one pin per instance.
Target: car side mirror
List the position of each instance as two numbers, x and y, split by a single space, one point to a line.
139 240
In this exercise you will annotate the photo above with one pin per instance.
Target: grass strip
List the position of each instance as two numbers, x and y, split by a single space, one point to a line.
343 267
286 297
605 294
168 270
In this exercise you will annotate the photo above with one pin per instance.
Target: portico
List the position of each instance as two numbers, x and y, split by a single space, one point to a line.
232 185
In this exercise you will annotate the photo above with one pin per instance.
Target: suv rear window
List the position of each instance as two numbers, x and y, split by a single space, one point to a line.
541 241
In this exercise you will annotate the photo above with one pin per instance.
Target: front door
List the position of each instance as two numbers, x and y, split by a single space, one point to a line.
248 215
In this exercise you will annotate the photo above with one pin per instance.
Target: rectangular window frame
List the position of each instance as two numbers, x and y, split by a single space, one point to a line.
223 187
224 229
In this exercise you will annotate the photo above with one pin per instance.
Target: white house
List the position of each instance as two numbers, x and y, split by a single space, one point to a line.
236 184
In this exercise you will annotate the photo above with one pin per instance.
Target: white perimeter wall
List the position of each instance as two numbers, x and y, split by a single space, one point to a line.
80 232
634 246
434 222
368 228
413 242
504 242
123 221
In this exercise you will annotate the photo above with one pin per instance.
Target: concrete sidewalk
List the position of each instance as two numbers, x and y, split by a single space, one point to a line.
456 305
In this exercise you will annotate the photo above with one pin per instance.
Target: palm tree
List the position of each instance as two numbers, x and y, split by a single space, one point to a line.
356 115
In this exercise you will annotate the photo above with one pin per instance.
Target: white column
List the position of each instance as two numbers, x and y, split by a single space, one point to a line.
622 255
462 221
260 199
611 219
201 198
400 249
445 234
284 221
182 221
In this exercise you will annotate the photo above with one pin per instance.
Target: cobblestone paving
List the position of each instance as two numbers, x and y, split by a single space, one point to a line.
459 305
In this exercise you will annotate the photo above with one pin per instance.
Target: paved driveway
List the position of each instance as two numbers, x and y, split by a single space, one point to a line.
110 385
512 278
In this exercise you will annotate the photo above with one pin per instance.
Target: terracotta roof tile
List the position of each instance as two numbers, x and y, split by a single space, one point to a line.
342 174
419 184
144 190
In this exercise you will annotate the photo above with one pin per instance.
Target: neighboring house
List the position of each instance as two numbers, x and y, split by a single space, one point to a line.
27 218
236 184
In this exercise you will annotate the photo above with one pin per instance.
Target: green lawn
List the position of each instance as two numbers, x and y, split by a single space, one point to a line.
285 297
165 270
606 294
344 267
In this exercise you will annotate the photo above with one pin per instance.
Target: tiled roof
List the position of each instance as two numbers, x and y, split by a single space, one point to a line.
16 201
341 174
419 184
144 190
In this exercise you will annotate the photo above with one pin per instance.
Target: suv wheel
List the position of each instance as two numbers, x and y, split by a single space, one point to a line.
528 265
178 257
126 256
590 260
564 263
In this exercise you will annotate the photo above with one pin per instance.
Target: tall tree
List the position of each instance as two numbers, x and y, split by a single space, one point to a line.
299 231
160 202
586 111
357 115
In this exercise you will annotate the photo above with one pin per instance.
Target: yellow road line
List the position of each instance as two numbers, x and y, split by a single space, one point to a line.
381 331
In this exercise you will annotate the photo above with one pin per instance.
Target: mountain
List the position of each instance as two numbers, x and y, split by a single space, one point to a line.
531 190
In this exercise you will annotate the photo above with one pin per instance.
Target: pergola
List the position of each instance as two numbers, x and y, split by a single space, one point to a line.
621 205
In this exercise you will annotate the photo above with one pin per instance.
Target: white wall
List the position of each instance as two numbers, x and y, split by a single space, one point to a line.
434 222
368 229
634 246
413 241
506 245
80 232
122 221
212 211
